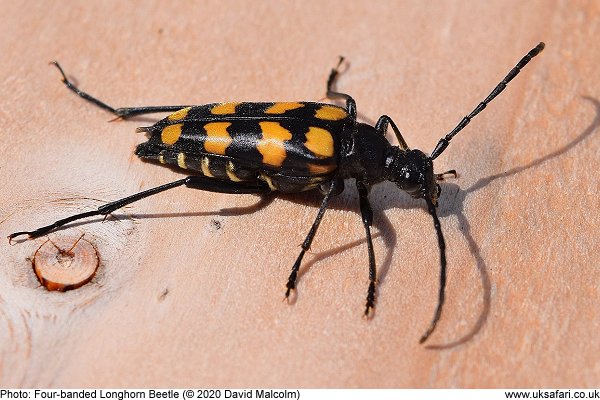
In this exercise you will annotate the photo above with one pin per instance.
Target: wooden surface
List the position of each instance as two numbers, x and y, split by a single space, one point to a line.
189 292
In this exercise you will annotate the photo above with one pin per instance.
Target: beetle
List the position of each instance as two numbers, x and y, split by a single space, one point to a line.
290 147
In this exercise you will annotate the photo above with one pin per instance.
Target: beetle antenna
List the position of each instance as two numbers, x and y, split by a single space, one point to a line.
443 143
441 295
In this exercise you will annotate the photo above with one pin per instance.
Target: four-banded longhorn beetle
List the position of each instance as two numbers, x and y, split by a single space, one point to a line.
289 147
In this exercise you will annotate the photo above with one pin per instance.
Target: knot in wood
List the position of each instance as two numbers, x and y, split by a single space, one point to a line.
65 264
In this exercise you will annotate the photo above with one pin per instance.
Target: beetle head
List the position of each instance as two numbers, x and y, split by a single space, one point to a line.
412 171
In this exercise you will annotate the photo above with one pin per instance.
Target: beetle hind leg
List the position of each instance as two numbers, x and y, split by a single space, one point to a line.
194 182
123 112
332 94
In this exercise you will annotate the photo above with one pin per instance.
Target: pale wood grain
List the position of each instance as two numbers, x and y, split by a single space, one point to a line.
189 295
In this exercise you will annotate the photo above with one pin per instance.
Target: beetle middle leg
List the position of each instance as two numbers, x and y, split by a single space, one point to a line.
291 284
367 218
123 112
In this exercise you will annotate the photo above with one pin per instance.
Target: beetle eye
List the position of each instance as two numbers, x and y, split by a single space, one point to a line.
409 181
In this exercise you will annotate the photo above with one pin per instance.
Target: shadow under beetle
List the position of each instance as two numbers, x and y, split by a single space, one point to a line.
289 147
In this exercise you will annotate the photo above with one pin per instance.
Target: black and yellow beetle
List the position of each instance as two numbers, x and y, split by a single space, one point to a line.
289 147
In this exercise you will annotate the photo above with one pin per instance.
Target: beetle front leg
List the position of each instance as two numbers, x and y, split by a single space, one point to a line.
367 219
291 284
441 177
382 125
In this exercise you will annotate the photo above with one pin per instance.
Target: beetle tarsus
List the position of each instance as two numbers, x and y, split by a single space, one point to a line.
17 234
370 306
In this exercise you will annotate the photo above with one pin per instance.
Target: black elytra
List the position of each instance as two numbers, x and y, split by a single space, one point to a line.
290 147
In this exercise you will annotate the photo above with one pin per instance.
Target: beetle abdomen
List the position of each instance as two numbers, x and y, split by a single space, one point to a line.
285 143
298 139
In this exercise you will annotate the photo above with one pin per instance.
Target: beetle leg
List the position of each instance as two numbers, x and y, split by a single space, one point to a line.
195 182
291 284
440 177
350 103
382 125
339 187
124 112
223 186
367 218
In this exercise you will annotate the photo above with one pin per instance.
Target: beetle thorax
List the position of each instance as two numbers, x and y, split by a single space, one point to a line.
363 154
